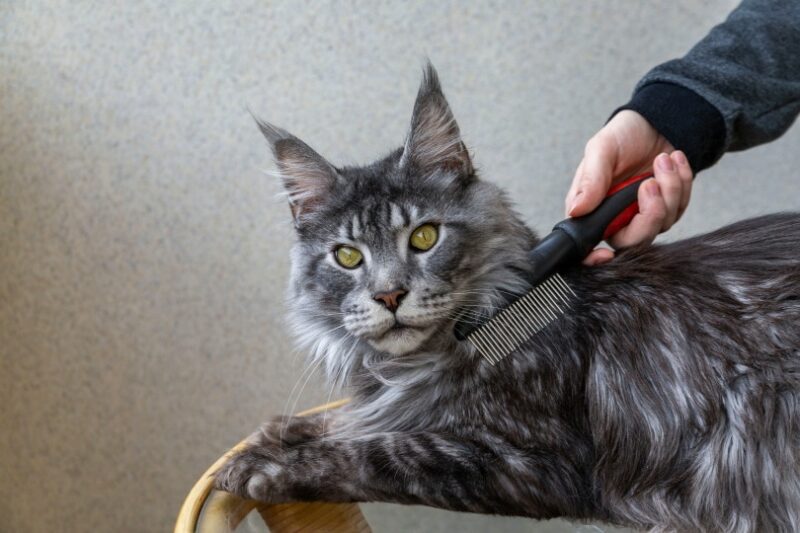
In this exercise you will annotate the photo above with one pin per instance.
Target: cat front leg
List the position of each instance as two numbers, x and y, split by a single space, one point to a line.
411 468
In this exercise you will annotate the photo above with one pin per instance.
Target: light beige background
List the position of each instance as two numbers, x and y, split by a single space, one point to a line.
143 254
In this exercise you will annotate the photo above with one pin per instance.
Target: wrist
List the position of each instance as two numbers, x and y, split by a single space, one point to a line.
683 118
633 126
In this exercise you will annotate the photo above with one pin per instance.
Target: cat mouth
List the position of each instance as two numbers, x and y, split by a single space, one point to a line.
399 328
400 338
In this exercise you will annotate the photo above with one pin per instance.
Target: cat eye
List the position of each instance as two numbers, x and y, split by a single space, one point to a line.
424 237
347 256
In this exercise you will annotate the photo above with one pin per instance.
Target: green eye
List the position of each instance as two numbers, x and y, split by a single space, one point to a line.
424 237
347 256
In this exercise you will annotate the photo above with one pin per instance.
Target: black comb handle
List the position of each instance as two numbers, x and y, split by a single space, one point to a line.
613 214
572 239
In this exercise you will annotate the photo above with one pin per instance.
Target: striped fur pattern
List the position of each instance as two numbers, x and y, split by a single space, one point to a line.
666 398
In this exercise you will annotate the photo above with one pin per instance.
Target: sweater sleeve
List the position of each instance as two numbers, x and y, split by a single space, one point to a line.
737 88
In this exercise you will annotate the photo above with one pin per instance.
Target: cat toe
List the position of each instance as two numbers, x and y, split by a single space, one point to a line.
250 475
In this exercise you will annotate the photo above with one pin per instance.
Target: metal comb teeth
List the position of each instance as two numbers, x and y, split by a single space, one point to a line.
528 315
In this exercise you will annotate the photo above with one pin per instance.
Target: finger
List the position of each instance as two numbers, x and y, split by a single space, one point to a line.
598 256
670 185
573 189
648 222
687 175
594 177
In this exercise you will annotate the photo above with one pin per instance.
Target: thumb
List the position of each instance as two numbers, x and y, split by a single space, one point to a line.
593 177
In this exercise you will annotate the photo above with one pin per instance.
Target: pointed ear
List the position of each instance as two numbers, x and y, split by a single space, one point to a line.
434 142
307 177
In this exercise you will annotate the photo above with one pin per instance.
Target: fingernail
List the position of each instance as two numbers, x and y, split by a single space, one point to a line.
574 202
665 163
651 188
680 157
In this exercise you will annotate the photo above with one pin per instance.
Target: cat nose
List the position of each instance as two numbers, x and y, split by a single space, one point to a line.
391 299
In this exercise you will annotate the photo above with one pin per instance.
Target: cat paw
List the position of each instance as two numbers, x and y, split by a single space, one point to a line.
254 474
259 472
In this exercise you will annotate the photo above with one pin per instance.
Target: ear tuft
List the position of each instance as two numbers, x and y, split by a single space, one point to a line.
434 141
271 132
307 177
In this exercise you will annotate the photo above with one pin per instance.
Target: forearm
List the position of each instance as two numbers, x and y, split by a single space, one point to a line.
737 88
418 468
411 468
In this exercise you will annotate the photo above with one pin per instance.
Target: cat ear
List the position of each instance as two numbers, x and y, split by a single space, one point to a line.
307 177
434 141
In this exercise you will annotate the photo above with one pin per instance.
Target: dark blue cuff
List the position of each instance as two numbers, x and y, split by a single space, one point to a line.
684 118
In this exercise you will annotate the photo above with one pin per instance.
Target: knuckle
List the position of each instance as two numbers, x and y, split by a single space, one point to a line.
656 214
671 187
597 143
637 232
590 146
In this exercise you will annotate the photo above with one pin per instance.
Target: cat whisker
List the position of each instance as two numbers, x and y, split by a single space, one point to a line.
493 290
308 367
466 312
331 314
479 306
313 367
337 380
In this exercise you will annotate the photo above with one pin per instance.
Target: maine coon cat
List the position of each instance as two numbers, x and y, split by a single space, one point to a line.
667 398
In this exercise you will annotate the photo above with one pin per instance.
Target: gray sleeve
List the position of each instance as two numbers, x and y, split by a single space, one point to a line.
747 68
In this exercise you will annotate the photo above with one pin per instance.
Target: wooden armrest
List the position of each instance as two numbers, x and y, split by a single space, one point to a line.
223 512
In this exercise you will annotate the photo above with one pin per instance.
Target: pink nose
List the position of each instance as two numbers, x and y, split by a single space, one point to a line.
390 299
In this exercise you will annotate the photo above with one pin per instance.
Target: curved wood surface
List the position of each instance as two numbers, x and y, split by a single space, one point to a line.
223 512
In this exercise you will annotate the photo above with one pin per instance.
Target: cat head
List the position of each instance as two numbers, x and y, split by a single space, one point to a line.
389 252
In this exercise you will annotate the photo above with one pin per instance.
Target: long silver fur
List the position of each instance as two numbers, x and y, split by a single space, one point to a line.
667 398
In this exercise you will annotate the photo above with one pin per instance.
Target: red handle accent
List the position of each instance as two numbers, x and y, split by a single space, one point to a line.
624 218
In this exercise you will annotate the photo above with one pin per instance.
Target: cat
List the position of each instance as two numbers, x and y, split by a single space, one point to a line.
667 398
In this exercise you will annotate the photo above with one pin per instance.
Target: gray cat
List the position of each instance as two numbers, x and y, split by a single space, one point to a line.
667 398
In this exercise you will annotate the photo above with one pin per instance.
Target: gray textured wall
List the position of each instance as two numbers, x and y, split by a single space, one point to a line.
143 254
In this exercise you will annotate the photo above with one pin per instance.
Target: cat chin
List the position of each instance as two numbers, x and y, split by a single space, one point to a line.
401 342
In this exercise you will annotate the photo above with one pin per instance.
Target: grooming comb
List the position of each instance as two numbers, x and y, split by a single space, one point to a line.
570 241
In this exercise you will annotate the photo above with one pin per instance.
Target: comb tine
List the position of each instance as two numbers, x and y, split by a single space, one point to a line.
497 345
549 293
566 293
479 345
533 313
492 350
489 343
508 336
543 305
517 319
542 294
530 315
495 352
497 327
558 287
559 295
567 289
509 329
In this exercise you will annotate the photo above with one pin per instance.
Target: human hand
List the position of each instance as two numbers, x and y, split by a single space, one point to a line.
626 146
